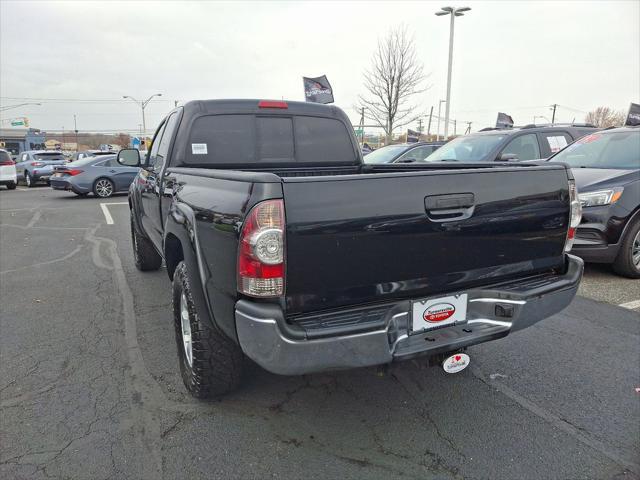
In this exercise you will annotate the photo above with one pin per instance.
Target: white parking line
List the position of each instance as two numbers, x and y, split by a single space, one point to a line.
631 305
107 214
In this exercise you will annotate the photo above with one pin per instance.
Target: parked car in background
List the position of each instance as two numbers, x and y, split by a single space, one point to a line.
102 175
531 142
402 153
89 153
8 175
35 166
606 166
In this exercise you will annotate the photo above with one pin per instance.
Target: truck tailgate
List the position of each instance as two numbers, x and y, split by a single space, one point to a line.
358 239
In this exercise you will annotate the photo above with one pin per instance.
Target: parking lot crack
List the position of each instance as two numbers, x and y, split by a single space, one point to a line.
426 414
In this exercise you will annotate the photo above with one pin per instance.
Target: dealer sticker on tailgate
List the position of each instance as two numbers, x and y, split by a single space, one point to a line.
436 312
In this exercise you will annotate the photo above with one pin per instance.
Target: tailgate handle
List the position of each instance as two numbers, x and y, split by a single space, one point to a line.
452 206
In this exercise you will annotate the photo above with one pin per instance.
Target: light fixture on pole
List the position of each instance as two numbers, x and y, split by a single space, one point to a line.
143 104
454 12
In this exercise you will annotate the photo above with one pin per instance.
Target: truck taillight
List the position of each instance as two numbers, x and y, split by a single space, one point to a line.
261 251
574 216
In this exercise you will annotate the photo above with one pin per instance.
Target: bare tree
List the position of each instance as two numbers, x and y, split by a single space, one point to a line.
394 78
604 117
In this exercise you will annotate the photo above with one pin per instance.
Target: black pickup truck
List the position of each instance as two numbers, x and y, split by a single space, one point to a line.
284 247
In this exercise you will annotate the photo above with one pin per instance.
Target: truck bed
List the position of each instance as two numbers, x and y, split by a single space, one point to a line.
357 235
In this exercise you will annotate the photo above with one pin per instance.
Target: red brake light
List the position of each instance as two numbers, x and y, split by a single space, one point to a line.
272 104
261 251
37 164
73 172
6 162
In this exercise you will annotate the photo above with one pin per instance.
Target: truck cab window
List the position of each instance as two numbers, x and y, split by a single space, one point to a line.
155 145
524 146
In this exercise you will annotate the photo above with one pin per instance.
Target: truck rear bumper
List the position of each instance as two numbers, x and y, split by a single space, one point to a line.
492 312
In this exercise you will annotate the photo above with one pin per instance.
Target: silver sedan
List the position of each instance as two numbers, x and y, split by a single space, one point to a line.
102 175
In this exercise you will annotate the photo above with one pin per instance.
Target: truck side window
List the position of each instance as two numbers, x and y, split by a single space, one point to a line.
418 153
163 146
524 146
155 145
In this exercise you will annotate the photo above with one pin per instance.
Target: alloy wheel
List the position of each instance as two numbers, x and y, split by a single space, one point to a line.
27 179
185 325
104 188
635 251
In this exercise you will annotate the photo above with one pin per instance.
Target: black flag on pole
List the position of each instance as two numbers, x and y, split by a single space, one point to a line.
633 117
504 120
317 90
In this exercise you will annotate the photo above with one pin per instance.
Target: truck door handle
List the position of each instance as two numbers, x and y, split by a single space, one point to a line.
453 206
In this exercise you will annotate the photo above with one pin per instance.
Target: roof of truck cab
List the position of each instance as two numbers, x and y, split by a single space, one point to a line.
230 106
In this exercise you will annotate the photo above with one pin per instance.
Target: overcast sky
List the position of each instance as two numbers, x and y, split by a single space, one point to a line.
516 57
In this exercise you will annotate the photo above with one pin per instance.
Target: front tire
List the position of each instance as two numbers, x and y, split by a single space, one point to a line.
103 188
210 363
28 180
11 185
144 254
627 263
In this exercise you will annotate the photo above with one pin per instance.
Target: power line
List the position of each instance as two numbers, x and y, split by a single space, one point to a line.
80 100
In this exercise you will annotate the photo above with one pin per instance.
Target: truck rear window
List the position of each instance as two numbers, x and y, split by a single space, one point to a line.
246 139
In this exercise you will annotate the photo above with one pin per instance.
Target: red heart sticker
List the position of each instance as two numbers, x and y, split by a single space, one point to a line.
458 357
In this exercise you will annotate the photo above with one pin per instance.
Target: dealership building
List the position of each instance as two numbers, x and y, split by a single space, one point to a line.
17 140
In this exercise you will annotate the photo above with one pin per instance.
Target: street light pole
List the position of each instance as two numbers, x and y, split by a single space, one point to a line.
454 12
143 105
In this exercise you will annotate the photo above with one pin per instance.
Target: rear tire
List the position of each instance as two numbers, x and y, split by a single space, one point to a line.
210 363
11 185
627 263
144 254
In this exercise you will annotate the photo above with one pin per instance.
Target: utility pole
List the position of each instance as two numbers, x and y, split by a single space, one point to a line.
454 128
420 125
143 105
429 125
454 12
75 128
362 125
553 115
439 107
468 128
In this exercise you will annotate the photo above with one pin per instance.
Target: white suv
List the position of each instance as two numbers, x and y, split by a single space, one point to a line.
8 175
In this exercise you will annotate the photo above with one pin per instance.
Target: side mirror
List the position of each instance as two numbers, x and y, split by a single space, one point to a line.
129 157
505 157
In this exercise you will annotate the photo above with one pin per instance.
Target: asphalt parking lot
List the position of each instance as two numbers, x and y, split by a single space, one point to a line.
90 387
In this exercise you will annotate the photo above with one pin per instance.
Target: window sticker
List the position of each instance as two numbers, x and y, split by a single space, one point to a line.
557 143
199 148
